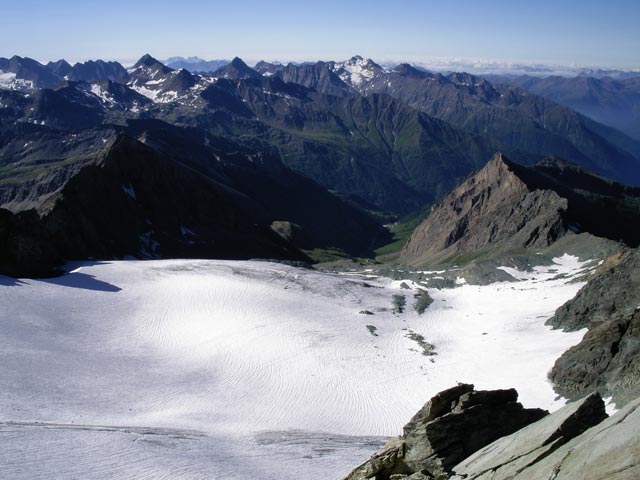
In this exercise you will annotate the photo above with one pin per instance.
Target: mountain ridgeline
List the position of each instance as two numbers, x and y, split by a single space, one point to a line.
154 190
612 101
506 206
278 161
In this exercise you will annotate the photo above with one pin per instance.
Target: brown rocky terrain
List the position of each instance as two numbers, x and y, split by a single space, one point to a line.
492 209
508 207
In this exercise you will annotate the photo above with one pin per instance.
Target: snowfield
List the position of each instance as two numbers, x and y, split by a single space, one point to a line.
184 369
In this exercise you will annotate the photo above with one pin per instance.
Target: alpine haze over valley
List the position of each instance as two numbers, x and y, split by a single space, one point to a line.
255 253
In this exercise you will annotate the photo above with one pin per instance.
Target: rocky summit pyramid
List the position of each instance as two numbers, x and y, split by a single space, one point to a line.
236 69
506 206
492 207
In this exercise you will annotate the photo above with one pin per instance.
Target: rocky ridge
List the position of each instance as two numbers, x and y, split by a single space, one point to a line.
154 190
493 208
508 207
608 357
577 441
509 115
397 155
545 448
451 426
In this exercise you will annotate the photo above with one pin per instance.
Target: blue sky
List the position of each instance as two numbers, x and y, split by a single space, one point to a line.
586 32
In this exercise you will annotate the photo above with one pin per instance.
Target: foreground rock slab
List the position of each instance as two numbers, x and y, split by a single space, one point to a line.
511 456
450 427
608 451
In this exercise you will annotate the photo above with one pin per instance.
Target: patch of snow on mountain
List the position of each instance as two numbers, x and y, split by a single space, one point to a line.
9 81
157 96
356 70
6 79
101 93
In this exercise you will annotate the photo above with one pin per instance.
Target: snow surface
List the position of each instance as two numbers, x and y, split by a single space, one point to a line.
227 369
9 81
355 71
6 79
102 94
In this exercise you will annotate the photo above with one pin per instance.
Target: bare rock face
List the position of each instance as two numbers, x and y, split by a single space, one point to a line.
610 450
490 209
576 442
608 357
507 206
614 290
25 249
450 427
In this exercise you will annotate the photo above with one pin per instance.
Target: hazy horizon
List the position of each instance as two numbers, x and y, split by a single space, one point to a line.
569 33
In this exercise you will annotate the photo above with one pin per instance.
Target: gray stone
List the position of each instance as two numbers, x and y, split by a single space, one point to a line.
451 426
508 456
613 290
609 450
608 357
441 404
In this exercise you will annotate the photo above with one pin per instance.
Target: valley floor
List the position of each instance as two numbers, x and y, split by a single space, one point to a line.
187 369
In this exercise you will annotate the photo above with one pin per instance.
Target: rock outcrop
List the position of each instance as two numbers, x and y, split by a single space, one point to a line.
510 456
576 442
508 207
25 249
161 191
608 450
608 357
450 427
492 208
613 290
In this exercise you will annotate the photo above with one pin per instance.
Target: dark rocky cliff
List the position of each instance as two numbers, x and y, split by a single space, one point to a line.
178 195
608 357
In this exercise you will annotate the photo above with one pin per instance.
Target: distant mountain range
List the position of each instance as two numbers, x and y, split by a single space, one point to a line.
535 69
613 102
340 140
196 64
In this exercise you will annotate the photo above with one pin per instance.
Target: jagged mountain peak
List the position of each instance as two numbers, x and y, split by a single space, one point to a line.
495 170
237 69
357 70
493 208
500 160
268 68
147 61
362 62
60 67
93 70
24 73
407 70
506 206
237 62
